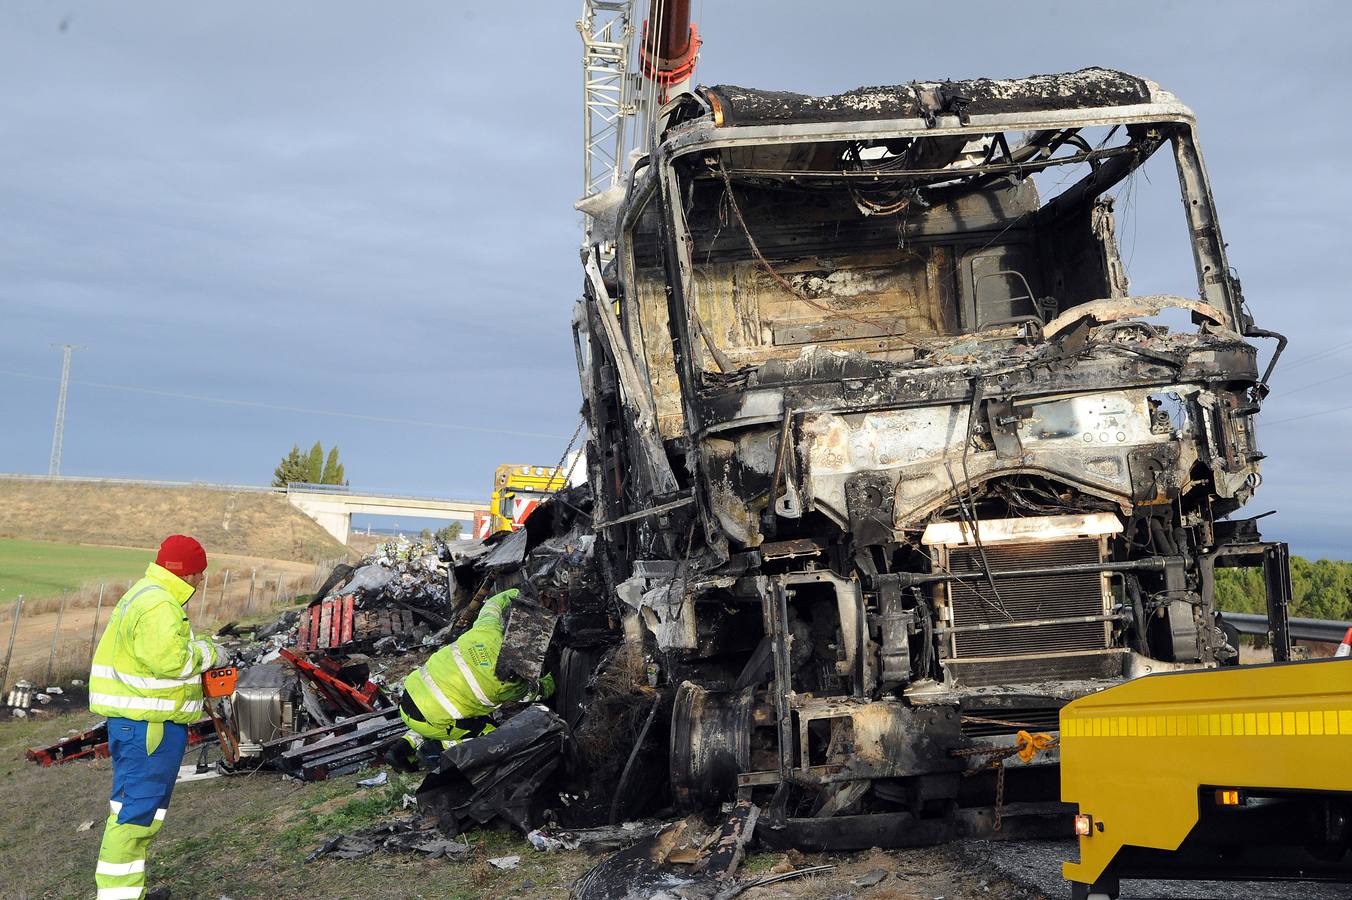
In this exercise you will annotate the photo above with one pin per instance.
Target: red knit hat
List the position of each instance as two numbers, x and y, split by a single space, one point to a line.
182 555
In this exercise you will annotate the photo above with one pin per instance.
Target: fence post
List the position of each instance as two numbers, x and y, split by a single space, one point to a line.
56 635
13 630
94 632
253 580
225 585
206 584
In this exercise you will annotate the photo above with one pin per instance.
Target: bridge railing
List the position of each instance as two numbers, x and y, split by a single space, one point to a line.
300 487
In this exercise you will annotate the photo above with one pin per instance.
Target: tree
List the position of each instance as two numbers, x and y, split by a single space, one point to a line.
333 471
1320 589
448 533
291 468
314 464
309 468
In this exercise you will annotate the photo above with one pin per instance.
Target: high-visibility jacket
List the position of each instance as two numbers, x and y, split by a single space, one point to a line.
458 681
148 664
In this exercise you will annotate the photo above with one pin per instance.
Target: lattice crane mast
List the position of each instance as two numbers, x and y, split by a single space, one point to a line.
619 101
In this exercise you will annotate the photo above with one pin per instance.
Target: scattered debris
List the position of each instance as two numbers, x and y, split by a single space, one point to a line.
870 878
21 695
196 773
736 889
376 780
505 862
333 750
85 825
402 835
500 776
680 855
389 604
594 840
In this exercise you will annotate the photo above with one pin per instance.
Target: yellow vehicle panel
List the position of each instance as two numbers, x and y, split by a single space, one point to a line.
517 490
1135 756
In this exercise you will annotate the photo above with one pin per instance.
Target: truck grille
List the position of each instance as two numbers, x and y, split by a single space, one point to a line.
987 722
1068 649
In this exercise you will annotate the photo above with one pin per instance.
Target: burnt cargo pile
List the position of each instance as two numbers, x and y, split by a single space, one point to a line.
888 461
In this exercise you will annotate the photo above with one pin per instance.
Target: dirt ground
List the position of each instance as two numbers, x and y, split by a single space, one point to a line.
241 837
247 837
926 873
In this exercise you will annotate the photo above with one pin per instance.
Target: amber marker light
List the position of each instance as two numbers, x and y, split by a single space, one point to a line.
1084 825
1227 797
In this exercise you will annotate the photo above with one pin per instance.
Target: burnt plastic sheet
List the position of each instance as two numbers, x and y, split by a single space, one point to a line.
501 775
530 627
369 580
340 574
508 553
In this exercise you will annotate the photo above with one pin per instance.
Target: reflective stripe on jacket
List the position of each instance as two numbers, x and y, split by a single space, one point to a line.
148 665
458 681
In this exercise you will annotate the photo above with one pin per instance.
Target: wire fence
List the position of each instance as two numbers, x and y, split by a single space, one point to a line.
51 640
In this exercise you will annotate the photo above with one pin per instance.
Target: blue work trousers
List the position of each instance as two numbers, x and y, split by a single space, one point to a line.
146 757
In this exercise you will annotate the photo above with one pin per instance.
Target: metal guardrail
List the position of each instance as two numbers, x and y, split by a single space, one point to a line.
1329 631
86 479
297 486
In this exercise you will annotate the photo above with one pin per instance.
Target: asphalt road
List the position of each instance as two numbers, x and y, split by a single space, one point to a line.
1037 866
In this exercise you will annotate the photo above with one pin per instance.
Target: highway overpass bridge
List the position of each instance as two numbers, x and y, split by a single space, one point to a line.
332 508
329 505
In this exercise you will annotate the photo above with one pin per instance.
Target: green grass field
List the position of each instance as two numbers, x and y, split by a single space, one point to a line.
40 569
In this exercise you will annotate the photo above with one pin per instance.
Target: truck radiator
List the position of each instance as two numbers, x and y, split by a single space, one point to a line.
1016 649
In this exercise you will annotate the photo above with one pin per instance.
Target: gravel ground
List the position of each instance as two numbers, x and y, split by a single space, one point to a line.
1037 865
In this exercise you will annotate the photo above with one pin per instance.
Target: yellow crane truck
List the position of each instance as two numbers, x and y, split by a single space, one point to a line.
1242 772
517 490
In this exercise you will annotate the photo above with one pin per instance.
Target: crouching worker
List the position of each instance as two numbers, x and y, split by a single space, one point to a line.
451 698
146 678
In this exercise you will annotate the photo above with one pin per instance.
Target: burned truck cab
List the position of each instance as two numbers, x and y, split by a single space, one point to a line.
889 461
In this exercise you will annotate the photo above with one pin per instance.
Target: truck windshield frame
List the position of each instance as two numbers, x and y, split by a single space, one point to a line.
696 158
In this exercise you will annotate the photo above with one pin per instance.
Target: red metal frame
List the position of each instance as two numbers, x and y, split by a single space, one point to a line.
339 692
327 624
93 744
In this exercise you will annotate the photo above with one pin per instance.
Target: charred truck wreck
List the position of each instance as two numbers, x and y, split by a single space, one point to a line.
887 461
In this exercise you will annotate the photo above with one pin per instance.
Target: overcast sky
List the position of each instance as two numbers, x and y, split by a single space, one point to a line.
366 209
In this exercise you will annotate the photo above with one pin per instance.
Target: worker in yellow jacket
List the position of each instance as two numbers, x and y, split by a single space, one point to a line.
451 698
146 678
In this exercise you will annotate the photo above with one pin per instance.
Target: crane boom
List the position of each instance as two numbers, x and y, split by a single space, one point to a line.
607 101
615 100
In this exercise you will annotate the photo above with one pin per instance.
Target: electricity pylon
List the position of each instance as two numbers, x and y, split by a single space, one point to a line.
59 433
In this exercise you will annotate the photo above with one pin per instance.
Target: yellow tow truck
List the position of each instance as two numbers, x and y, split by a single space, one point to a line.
1239 773
517 490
